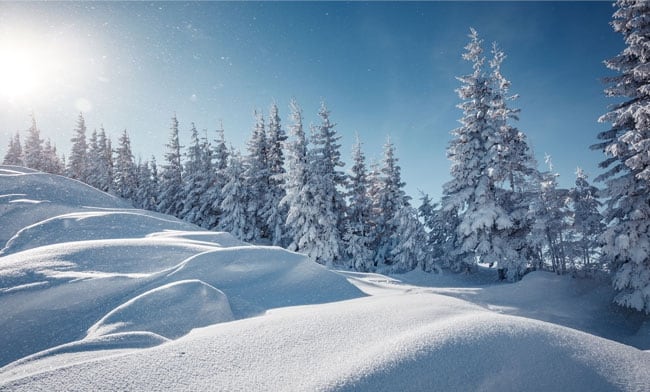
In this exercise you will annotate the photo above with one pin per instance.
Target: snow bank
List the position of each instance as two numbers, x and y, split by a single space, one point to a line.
410 342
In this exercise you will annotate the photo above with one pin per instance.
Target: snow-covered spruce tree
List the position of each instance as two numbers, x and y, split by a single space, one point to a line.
78 166
234 216
170 199
196 180
147 190
587 222
440 226
551 217
391 198
257 181
218 160
14 155
409 251
125 174
302 212
627 144
100 161
325 180
274 213
33 148
51 162
357 238
483 223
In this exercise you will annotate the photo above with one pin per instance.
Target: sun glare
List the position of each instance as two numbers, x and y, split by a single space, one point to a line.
20 72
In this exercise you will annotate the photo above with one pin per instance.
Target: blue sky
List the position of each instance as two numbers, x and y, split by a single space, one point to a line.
384 68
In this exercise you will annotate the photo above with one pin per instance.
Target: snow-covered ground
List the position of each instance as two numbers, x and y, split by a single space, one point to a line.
98 296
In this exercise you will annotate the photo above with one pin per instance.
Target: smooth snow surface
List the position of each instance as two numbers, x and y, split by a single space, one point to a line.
98 296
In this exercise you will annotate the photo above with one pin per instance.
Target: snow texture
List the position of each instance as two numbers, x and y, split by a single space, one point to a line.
171 308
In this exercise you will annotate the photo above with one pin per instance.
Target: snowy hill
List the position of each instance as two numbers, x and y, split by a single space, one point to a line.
98 296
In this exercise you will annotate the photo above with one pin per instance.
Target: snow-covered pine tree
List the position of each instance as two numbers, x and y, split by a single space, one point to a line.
391 199
274 213
440 226
626 145
94 157
100 157
51 162
78 166
326 180
409 250
125 175
551 217
357 238
302 215
33 148
218 159
472 190
234 216
587 220
14 155
257 181
146 192
195 180
170 199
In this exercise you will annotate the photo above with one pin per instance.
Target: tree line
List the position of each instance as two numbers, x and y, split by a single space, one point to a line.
499 209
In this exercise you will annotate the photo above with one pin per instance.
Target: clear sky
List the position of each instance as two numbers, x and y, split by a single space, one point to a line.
383 68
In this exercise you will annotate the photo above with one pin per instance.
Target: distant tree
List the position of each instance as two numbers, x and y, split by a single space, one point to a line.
358 238
14 155
626 146
125 171
325 181
33 148
440 226
257 177
146 190
302 215
100 161
78 165
170 199
218 159
587 220
234 218
273 212
51 162
196 182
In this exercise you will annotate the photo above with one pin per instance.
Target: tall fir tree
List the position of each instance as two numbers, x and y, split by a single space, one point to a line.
627 165
125 171
586 219
170 199
234 205
33 148
218 160
274 213
257 177
51 162
302 213
14 155
326 179
78 167
196 179
358 234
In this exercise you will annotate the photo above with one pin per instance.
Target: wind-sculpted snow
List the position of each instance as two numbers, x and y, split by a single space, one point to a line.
97 296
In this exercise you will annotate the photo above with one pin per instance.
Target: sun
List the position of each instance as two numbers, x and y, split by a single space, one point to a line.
21 71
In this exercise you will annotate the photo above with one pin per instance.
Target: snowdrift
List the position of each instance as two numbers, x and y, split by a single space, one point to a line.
98 296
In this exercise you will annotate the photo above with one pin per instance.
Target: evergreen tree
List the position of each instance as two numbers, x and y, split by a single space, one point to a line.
587 220
170 199
33 148
408 251
234 218
391 199
257 176
51 162
217 158
14 155
440 226
146 192
626 145
325 181
358 237
125 173
273 212
302 215
196 181
78 159
100 161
